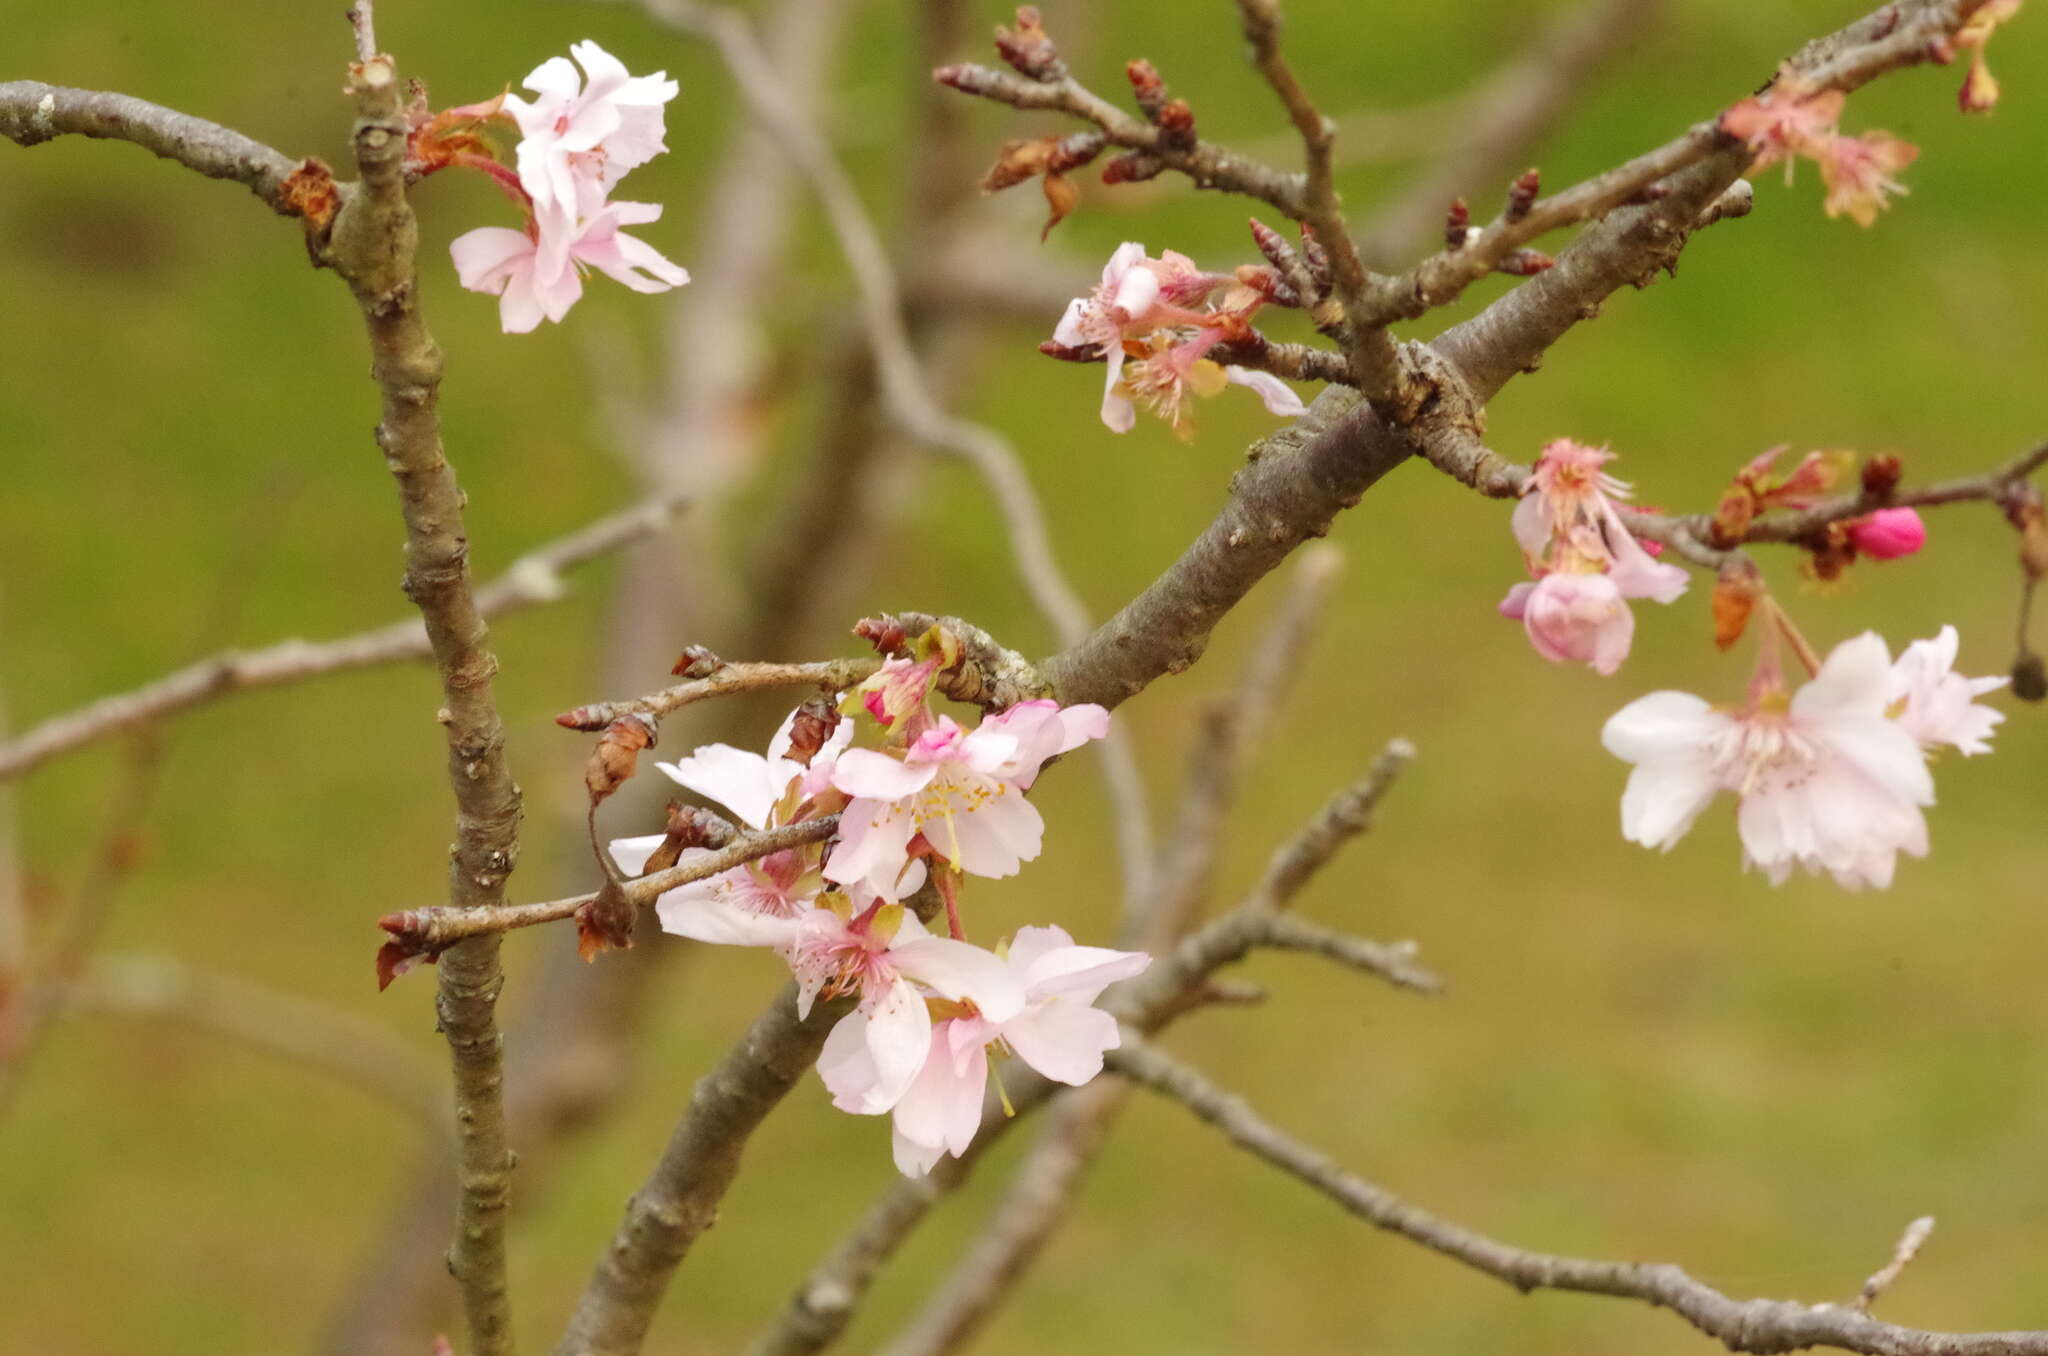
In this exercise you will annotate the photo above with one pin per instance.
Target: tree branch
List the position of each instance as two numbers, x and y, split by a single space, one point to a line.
32 113
1741 1325
679 1200
531 580
372 247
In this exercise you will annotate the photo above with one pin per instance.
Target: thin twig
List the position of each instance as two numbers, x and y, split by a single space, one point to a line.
1909 1245
372 247
431 930
1393 962
831 675
1742 1325
362 18
32 113
533 579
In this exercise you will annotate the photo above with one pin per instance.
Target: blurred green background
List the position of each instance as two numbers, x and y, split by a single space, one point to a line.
1641 1056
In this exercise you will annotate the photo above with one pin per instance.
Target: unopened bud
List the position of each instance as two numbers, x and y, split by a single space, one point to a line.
1177 121
1457 222
810 728
1880 477
1029 49
1522 194
1274 246
883 632
1317 258
697 662
1268 283
1524 263
1146 87
1133 167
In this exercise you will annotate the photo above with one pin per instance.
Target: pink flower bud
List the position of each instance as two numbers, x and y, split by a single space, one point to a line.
1888 533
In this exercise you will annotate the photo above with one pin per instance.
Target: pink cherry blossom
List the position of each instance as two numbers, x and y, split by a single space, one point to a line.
509 265
1574 617
883 955
1935 704
578 136
1858 173
1058 1032
1121 304
1826 782
1785 121
963 790
1888 533
730 908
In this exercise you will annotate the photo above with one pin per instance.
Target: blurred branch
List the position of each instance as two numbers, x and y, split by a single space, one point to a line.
302 1033
679 1200
1503 119
824 1303
905 394
1908 1247
531 580
372 247
1231 727
32 113
13 878
1742 1325
36 993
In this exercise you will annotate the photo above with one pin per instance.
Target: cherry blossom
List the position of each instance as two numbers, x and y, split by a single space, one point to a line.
746 905
509 264
883 955
1057 1031
1934 704
963 790
579 137
1979 90
1121 304
1826 780
1789 119
1858 173
1585 560
1574 617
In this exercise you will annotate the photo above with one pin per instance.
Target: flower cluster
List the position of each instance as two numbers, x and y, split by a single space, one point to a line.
579 135
1585 562
1152 322
934 801
1792 119
1831 778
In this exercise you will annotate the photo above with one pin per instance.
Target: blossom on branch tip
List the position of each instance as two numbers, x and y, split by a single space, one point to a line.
1979 90
1574 617
1831 779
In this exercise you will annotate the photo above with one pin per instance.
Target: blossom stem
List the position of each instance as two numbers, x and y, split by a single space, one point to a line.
1783 624
947 879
